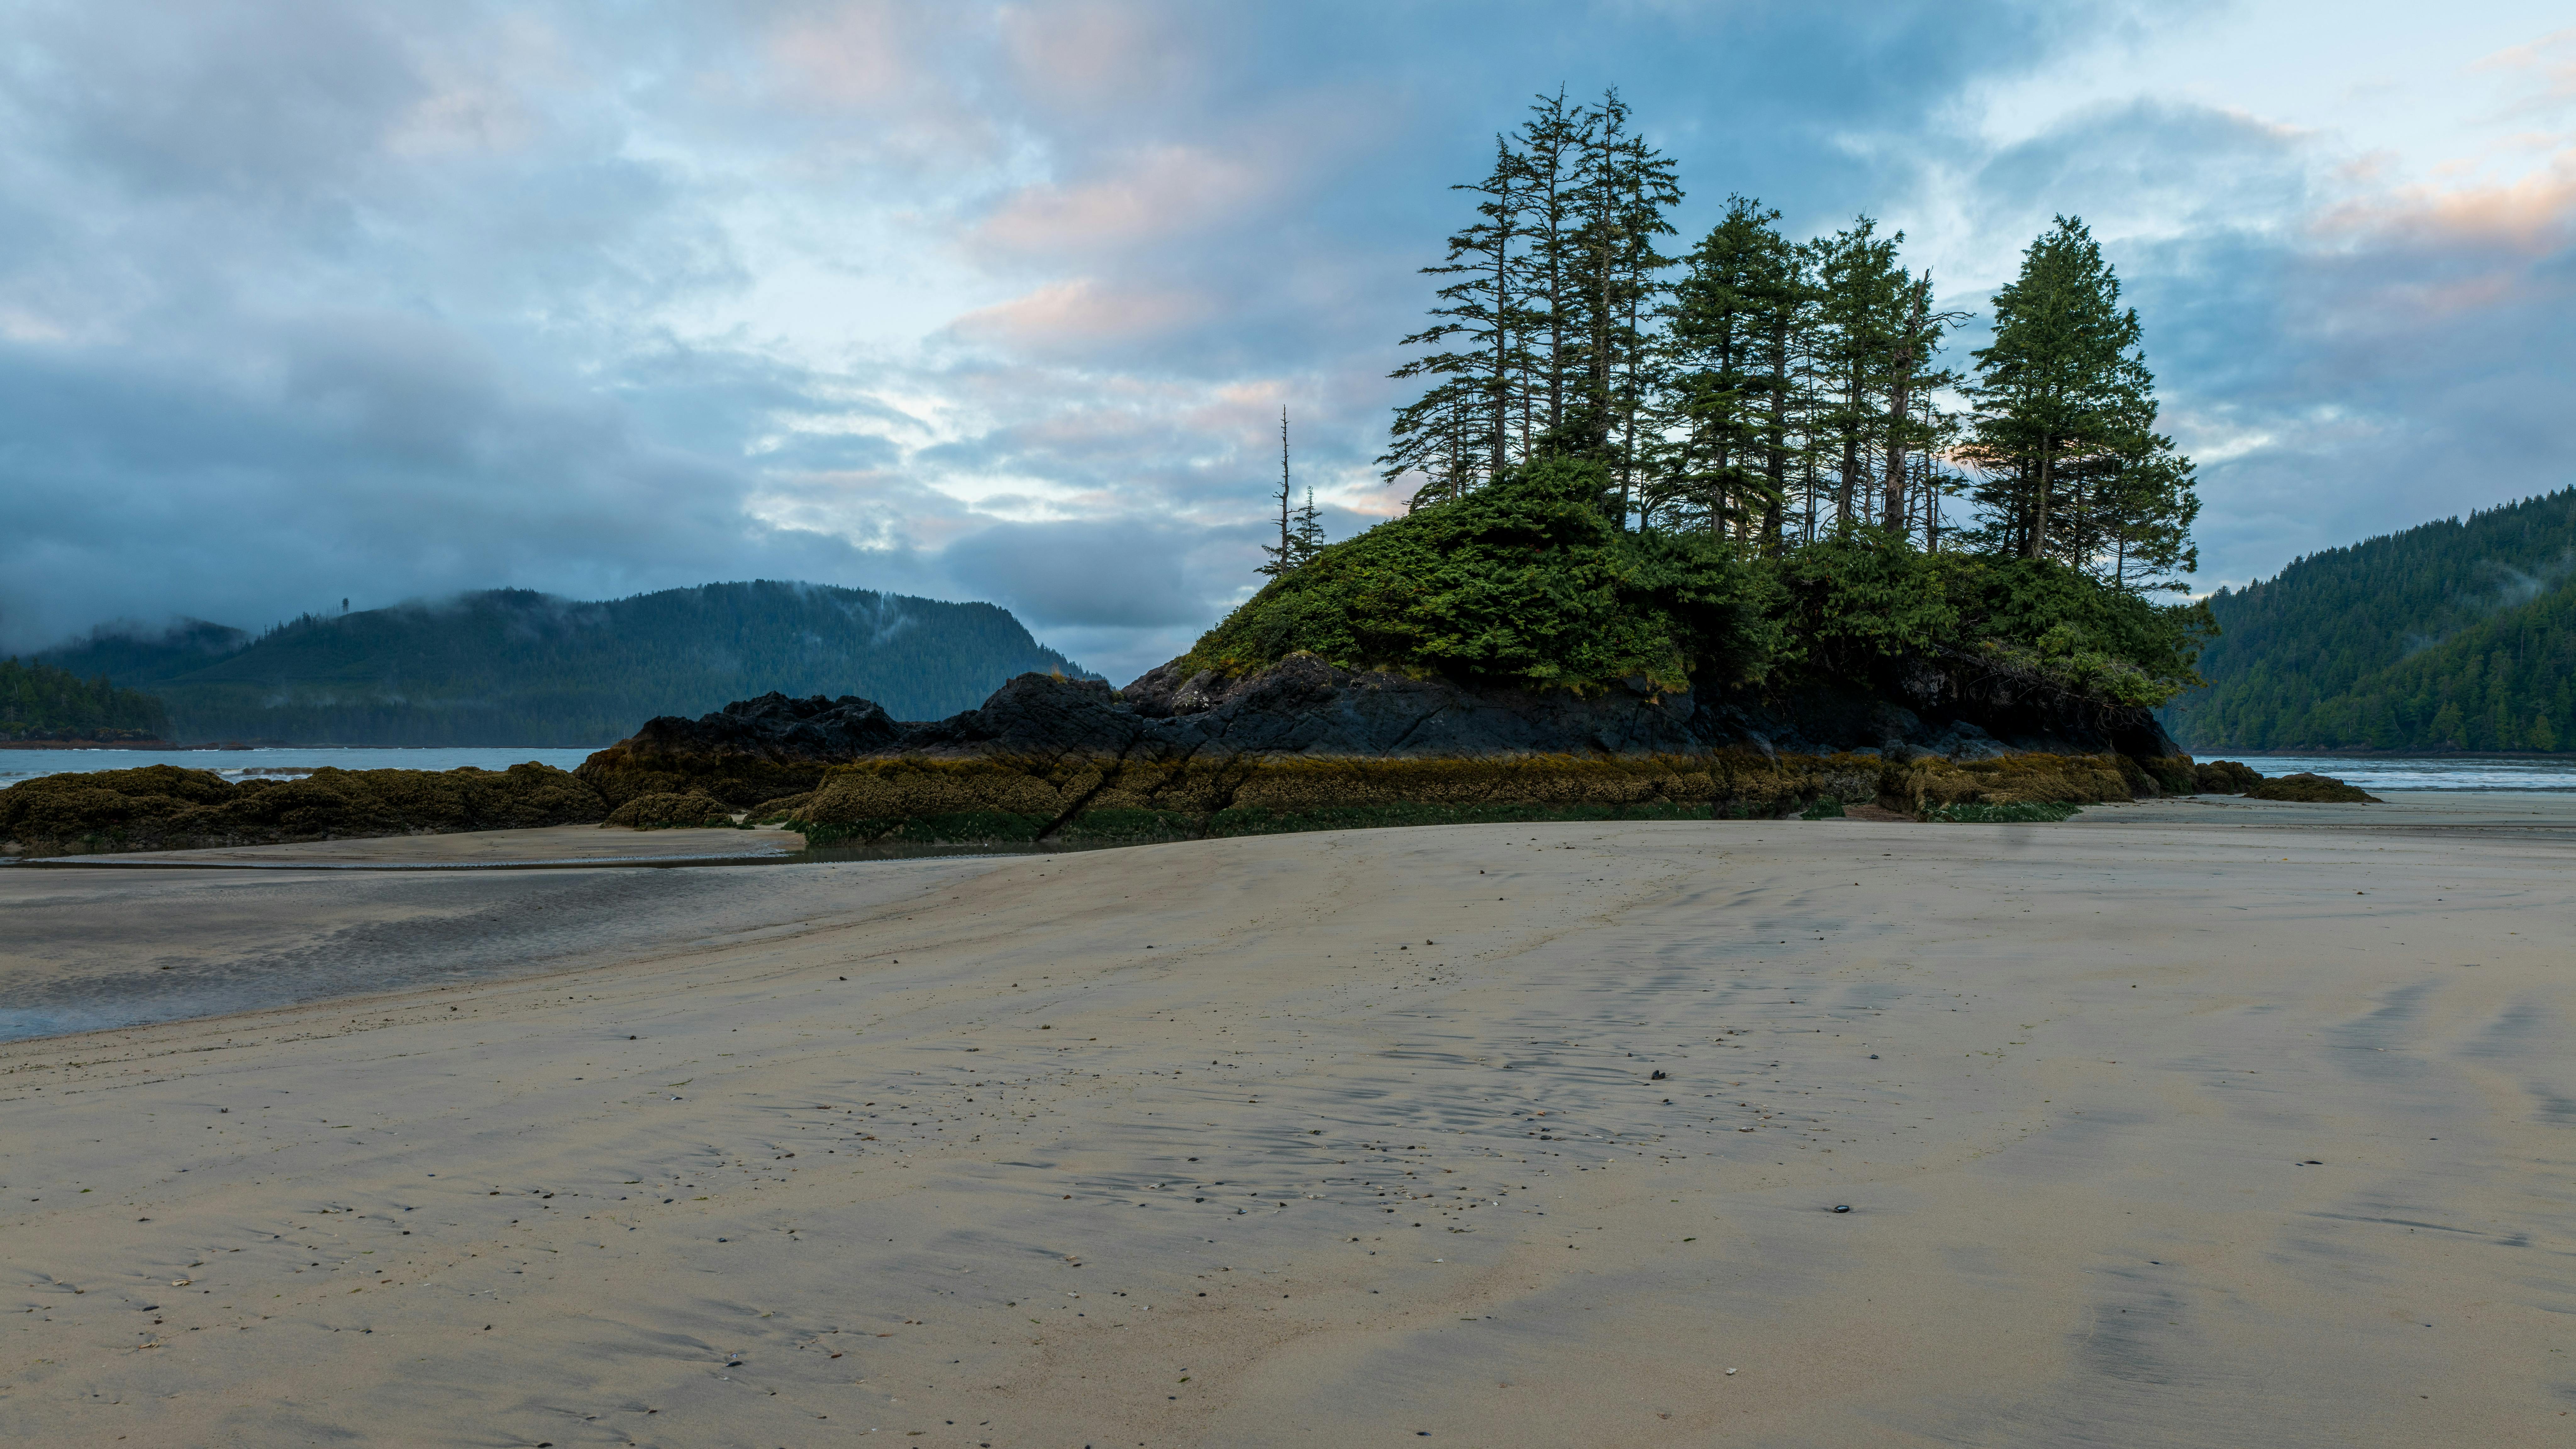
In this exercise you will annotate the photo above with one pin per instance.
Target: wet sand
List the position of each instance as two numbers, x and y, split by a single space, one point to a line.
2153 1133
549 845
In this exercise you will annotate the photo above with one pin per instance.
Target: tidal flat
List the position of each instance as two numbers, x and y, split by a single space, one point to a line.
2173 1124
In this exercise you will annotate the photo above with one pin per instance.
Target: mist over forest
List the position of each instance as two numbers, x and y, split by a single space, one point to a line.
514 667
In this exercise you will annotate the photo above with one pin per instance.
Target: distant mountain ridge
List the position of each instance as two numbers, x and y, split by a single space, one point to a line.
516 667
2449 636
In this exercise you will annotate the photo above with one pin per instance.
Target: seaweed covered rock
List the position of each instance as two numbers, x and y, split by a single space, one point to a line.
2310 788
750 751
2225 777
666 811
165 807
1926 786
770 811
998 799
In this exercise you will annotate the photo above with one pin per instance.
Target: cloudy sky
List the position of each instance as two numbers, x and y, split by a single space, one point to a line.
306 300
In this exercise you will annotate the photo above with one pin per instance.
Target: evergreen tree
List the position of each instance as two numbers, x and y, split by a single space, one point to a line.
1857 287
1310 529
1552 143
1624 188
1479 324
1779 390
2061 387
1913 428
1547 343
1284 556
1732 316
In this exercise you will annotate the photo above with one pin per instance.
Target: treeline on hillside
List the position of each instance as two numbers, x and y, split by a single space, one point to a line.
1773 481
513 667
41 702
2449 636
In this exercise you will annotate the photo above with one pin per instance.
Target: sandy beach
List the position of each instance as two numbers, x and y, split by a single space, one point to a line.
2193 1123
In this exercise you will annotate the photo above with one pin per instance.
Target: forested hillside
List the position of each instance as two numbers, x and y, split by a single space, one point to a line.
2454 635
512 667
42 702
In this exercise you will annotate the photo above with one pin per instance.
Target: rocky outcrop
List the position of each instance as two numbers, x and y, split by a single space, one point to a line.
773 746
664 812
164 807
1301 745
747 752
2224 777
2309 788
1961 709
1304 706
762 749
1079 800
1305 743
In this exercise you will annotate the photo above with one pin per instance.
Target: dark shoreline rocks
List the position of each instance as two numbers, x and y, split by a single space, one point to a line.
1307 745
2309 788
165 807
1303 707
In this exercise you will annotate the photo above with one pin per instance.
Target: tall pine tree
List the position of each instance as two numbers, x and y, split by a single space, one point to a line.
2057 388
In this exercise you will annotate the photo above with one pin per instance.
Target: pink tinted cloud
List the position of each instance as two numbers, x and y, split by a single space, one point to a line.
1152 194
1074 319
2532 215
1102 56
890 67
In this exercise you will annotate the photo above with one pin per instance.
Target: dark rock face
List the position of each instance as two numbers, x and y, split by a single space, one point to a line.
773 728
1960 709
1043 716
1303 706
1967 711
747 752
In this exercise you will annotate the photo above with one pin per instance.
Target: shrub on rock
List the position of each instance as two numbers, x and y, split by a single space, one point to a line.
1524 580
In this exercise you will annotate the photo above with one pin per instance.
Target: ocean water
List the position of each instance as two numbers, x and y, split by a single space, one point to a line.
2426 772
287 763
